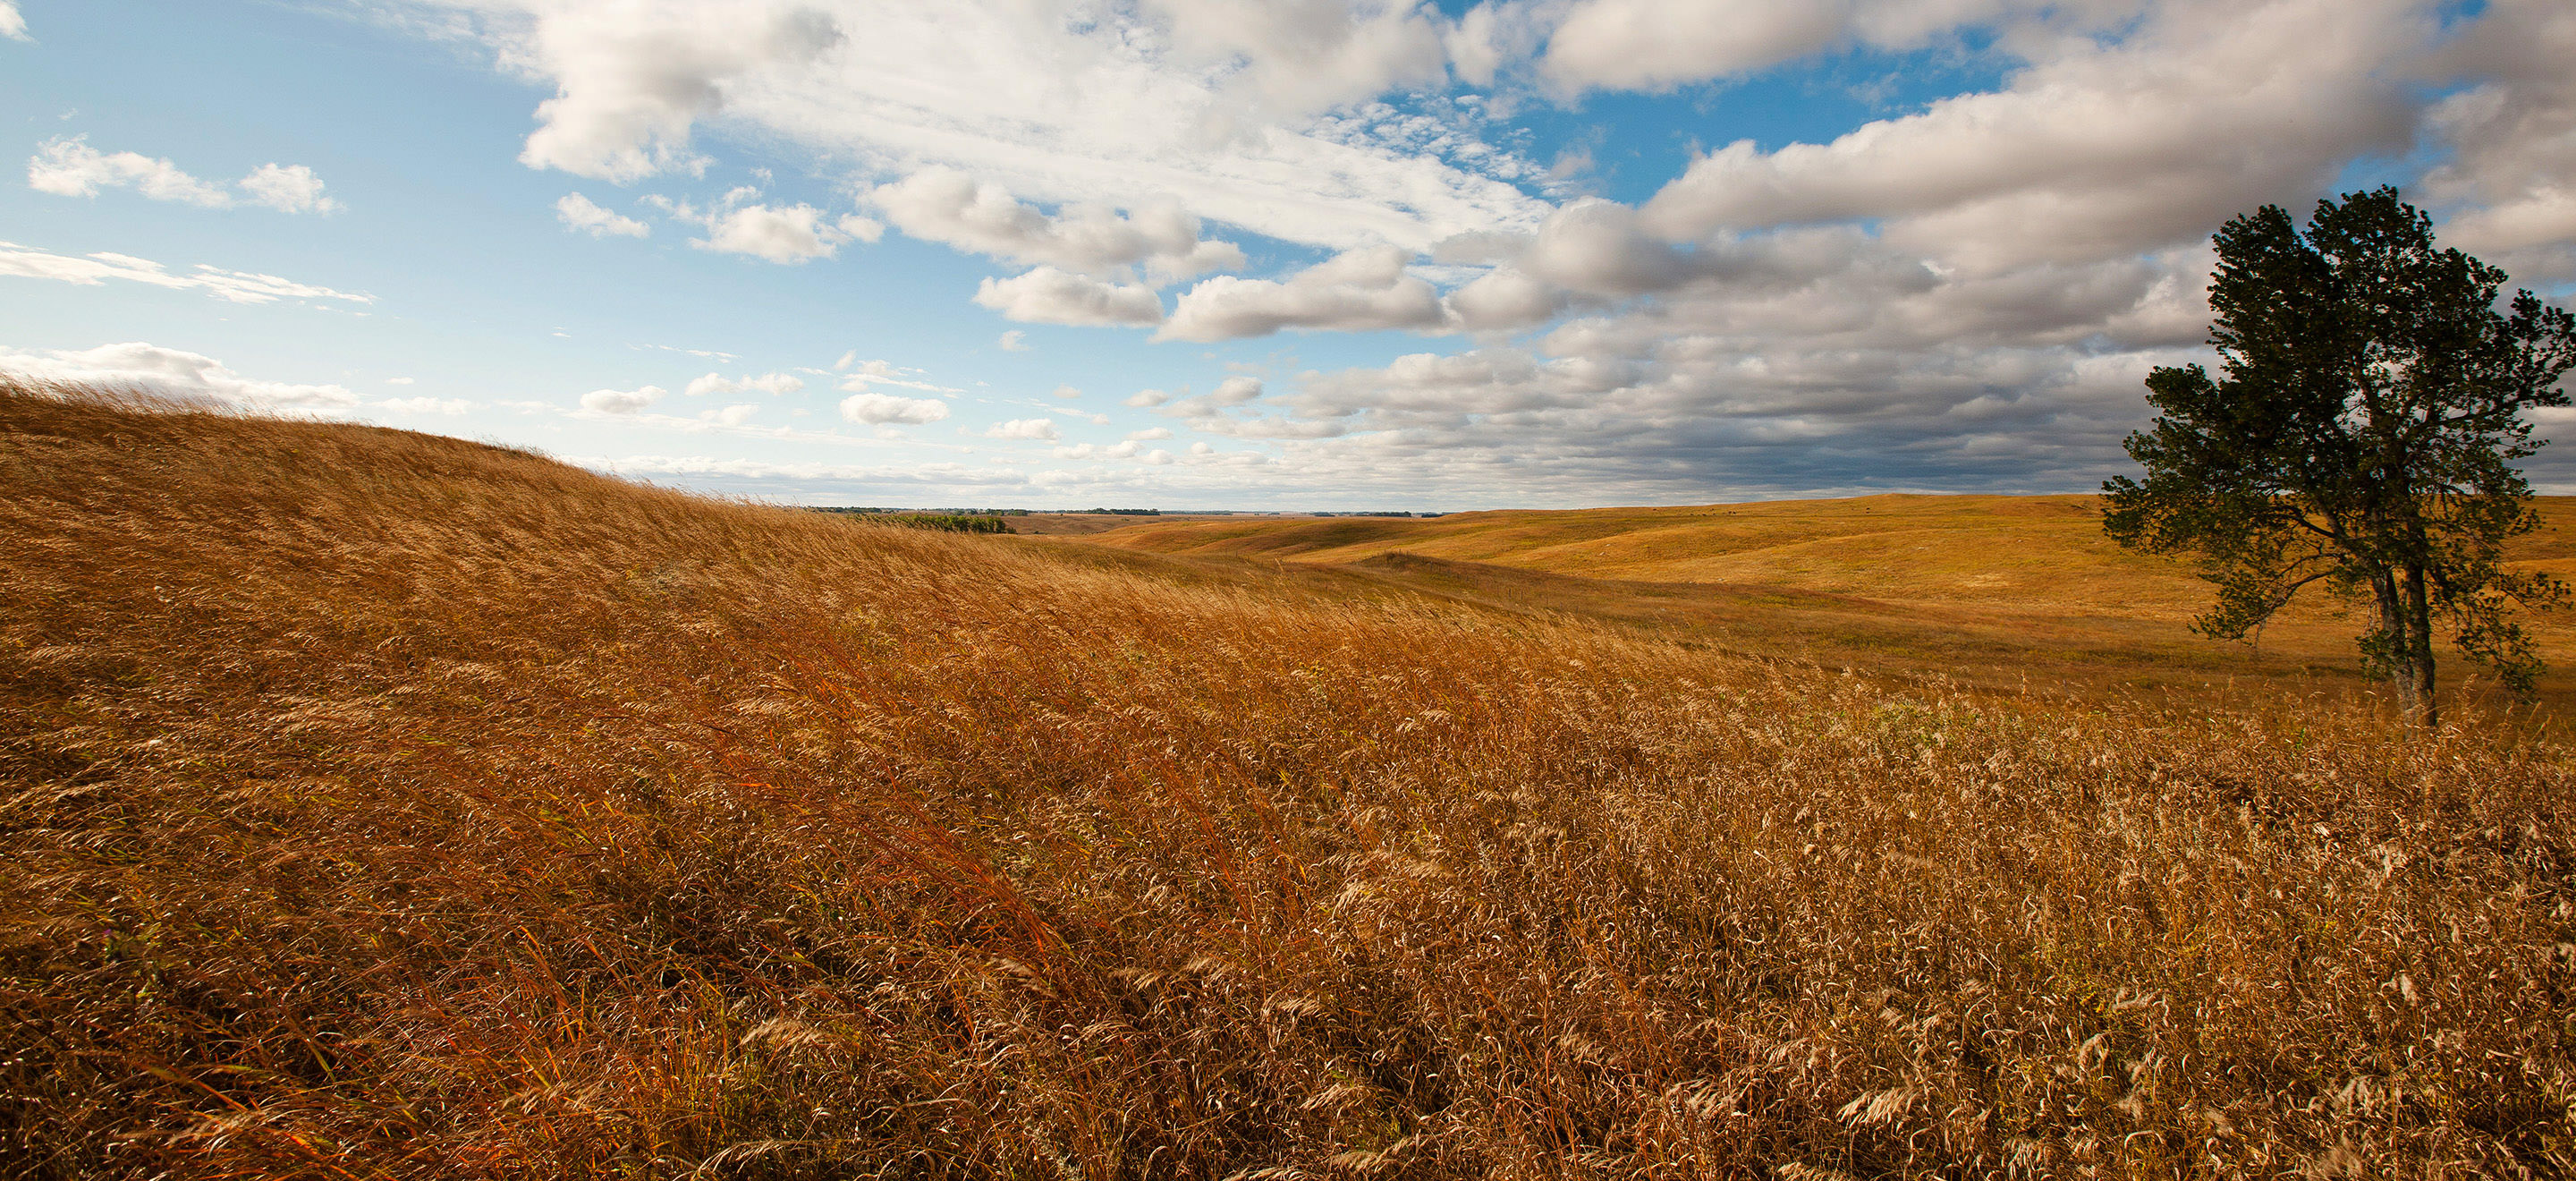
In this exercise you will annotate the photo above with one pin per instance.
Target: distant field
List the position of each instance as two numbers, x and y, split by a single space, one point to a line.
1997 590
376 805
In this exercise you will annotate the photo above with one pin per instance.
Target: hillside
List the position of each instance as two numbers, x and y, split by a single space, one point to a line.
2004 591
379 805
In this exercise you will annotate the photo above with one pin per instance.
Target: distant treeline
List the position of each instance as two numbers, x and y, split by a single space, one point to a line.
1376 514
970 521
950 512
949 522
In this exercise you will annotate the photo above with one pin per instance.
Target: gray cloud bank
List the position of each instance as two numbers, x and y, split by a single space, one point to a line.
1962 296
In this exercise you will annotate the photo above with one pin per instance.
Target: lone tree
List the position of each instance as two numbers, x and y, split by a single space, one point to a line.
2362 433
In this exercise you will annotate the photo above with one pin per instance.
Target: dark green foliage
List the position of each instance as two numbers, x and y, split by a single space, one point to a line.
2362 433
948 522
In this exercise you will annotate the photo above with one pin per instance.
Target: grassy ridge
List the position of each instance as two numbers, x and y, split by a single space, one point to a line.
383 805
2001 591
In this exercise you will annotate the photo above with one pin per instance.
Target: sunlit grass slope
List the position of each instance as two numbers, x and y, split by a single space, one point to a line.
379 805
1993 590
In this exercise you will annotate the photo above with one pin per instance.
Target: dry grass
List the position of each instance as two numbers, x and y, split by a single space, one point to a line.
379 805
1995 591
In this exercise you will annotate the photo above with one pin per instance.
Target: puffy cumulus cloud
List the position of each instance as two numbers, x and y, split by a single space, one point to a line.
1013 341
1295 56
1361 290
1650 44
775 384
2510 181
12 25
69 167
734 415
1024 428
288 188
1066 392
1199 101
1051 296
90 270
785 234
172 373
1149 434
1128 449
2096 149
1801 361
946 205
633 76
622 401
1504 299
1228 410
580 213
1660 44
876 409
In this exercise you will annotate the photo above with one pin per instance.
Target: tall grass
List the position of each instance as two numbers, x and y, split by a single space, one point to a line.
381 805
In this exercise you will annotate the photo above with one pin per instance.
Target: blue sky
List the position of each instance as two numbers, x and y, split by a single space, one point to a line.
1217 253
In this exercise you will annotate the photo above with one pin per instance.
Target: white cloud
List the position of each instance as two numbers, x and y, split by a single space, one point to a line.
774 384
1148 398
622 401
876 373
581 213
883 409
1050 296
632 77
1125 450
1066 392
947 206
93 269
1648 44
12 25
1361 290
288 189
1295 58
1014 341
2511 176
735 415
1150 433
783 233
1023 428
2094 151
171 373
1205 102
69 167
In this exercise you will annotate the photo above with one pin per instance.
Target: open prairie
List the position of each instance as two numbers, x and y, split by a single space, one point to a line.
381 805
2020 592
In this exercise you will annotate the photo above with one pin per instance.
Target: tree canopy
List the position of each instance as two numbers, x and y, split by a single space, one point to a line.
2362 432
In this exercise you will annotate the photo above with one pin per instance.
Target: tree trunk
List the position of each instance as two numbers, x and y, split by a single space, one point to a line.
2396 645
2419 645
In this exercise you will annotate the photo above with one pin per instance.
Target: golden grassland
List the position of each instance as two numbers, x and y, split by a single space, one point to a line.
381 805
1996 591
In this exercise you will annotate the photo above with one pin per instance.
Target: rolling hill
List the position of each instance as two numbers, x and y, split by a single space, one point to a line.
379 805
2002 591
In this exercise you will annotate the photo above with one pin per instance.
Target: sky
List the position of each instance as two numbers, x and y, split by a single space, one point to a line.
1233 254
